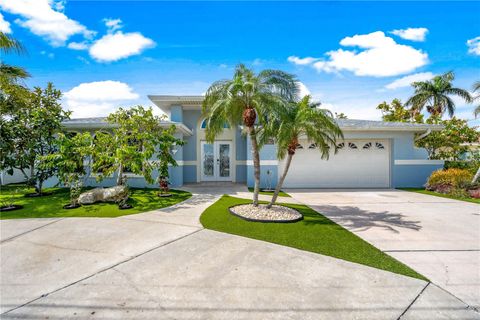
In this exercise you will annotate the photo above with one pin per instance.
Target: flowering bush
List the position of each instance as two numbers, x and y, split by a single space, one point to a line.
446 181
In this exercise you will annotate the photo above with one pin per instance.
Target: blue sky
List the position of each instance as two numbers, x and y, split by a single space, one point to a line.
348 55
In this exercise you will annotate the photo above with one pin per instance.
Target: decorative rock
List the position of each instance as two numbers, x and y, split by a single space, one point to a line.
111 194
263 214
474 193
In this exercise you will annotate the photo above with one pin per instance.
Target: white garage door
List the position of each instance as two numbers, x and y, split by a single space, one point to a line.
357 164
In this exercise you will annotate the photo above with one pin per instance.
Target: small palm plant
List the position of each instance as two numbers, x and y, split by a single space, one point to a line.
434 95
301 119
247 99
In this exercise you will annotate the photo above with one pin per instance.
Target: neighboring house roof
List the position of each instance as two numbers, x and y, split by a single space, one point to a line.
100 122
372 125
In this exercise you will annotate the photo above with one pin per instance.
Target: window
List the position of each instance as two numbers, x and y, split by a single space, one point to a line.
379 145
352 145
341 145
204 125
367 145
299 146
312 146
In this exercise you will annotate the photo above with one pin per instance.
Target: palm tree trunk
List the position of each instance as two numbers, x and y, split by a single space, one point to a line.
477 176
256 164
280 181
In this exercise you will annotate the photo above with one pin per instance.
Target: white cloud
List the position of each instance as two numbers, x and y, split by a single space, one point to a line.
408 80
44 18
119 45
78 45
99 98
48 54
303 90
474 46
381 57
301 61
4 25
113 24
413 34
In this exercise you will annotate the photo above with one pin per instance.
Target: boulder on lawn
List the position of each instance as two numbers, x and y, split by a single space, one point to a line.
474 193
111 194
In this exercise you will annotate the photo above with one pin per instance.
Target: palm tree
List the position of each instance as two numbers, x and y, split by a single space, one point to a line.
476 88
247 99
9 44
302 119
434 95
11 74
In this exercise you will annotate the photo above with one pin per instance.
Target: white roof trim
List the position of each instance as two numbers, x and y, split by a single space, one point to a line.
165 102
84 124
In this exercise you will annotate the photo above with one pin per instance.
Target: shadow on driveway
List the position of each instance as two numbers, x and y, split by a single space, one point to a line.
356 219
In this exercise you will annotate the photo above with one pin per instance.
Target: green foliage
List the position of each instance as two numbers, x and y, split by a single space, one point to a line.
476 88
397 112
68 160
315 233
166 141
450 143
340 115
449 179
470 165
434 95
29 131
135 135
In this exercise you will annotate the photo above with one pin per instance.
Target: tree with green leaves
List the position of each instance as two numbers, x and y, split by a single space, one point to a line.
451 142
29 132
397 112
136 135
434 95
73 150
303 119
247 99
166 141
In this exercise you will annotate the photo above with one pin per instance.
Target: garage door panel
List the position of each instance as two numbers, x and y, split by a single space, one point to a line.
349 168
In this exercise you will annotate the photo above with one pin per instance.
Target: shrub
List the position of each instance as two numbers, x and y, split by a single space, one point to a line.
446 181
470 165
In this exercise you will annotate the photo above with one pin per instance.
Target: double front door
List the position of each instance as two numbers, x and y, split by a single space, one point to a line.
216 161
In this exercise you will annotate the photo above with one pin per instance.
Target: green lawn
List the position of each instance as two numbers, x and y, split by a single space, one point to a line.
315 233
51 206
268 193
433 193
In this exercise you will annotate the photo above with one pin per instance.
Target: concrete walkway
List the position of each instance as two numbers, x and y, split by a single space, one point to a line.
438 237
164 265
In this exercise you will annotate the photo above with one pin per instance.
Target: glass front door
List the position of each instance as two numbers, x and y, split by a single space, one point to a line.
216 161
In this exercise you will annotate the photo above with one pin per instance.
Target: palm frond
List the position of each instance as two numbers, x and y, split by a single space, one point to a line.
9 44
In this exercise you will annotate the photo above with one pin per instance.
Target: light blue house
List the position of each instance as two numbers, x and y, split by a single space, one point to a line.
374 154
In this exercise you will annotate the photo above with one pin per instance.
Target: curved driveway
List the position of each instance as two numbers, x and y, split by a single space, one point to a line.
164 265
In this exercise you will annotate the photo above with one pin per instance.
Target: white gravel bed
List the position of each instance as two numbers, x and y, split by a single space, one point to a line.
275 213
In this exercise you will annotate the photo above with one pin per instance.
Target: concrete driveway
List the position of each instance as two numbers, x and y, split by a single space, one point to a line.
164 265
438 237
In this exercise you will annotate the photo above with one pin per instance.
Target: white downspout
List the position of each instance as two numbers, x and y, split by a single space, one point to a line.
423 135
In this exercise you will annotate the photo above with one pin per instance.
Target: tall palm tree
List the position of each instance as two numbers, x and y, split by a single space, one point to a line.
476 88
247 99
434 95
301 119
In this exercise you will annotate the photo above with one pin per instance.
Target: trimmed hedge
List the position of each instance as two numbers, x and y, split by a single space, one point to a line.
471 165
